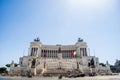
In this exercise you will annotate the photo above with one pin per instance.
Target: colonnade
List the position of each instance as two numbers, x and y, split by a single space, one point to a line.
34 51
83 52
65 53
53 53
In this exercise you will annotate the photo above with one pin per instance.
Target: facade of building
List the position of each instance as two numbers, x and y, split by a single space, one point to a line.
46 58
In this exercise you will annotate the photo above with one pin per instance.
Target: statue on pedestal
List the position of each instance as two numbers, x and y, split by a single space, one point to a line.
37 39
59 50
59 53
80 40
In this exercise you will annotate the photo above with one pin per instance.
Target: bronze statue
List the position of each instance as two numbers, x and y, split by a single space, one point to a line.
37 39
59 50
80 40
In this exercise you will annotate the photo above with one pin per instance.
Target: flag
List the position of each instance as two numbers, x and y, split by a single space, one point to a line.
44 56
73 53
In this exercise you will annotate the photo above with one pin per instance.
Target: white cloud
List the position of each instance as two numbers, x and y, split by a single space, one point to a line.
90 5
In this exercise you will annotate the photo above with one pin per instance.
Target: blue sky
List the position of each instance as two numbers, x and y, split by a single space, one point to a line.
59 22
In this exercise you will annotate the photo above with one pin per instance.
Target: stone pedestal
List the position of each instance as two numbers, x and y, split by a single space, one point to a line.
59 55
33 71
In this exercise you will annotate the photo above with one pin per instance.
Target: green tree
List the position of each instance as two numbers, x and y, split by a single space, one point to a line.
113 68
3 70
116 67
15 64
7 65
102 64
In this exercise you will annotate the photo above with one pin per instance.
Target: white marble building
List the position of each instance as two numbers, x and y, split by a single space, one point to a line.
43 58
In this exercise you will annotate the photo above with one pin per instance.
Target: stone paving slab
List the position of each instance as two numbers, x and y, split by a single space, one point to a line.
56 78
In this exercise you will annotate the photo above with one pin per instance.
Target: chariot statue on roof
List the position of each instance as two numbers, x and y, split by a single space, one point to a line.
80 40
37 39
